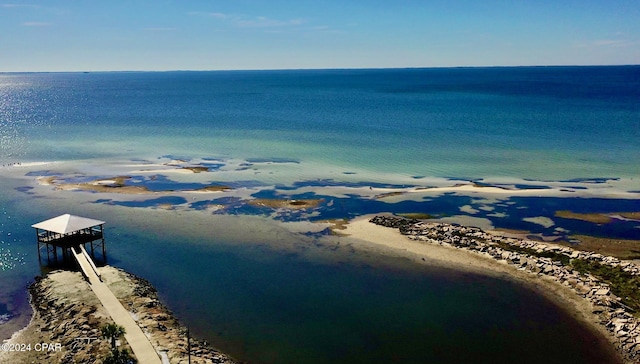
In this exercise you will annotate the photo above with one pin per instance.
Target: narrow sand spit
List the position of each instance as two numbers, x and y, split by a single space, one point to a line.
391 241
368 236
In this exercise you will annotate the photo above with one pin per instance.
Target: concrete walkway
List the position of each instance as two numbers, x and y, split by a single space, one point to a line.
142 348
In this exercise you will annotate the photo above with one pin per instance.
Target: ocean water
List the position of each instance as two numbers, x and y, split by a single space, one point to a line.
534 123
273 286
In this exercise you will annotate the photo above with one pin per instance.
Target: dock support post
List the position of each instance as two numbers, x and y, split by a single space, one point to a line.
104 250
38 240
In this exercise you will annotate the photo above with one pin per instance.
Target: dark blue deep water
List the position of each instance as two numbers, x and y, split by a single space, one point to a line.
269 307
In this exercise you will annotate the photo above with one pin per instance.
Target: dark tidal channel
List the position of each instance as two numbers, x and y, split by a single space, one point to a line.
263 306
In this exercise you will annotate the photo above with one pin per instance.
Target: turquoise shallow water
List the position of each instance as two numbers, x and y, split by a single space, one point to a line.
270 294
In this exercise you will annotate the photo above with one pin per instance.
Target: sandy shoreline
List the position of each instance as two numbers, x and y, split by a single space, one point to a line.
385 240
391 241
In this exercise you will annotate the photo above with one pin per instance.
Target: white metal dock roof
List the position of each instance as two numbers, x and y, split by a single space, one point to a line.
65 224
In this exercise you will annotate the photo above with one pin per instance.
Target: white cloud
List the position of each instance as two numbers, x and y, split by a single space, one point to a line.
609 43
209 14
264 22
36 24
14 6
244 21
160 29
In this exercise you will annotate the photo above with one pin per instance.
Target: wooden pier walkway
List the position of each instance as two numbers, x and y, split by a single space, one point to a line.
142 348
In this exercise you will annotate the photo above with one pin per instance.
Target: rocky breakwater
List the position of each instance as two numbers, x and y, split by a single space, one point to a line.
610 285
68 318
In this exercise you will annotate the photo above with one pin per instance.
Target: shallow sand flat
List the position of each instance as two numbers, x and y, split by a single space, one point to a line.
401 188
30 164
390 240
167 170
368 236
499 192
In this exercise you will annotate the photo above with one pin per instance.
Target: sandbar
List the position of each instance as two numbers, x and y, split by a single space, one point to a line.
391 241
119 185
599 218
286 203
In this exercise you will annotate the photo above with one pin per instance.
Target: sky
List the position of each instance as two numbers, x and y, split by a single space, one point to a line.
158 35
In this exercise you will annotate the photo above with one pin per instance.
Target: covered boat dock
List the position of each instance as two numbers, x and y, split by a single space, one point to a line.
68 232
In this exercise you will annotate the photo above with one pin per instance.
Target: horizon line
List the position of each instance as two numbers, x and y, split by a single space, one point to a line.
322 69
